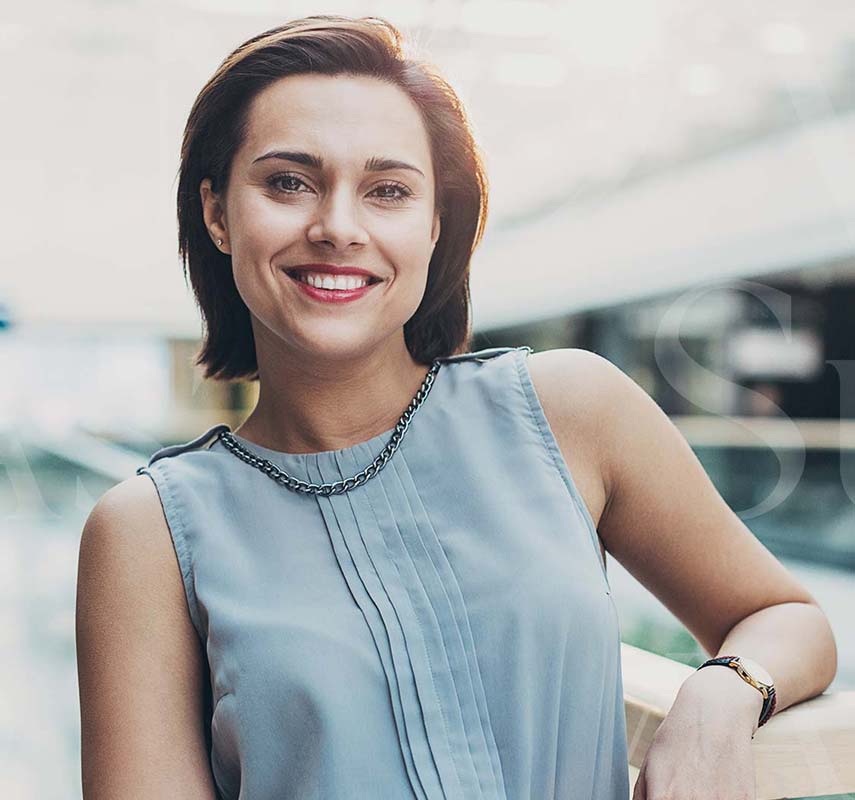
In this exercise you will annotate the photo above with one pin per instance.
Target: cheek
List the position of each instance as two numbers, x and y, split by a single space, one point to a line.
261 231
253 286
417 257
262 226
411 264
406 241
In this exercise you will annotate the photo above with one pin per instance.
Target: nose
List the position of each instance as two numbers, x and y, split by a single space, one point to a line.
337 221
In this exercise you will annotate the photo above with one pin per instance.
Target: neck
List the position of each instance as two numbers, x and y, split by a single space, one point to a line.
311 402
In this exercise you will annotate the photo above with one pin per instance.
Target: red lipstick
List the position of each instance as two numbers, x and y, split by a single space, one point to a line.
333 295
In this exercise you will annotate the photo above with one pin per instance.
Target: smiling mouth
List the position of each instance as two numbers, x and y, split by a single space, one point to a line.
301 276
336 295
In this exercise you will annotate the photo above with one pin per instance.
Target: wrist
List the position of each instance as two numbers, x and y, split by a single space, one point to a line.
721 688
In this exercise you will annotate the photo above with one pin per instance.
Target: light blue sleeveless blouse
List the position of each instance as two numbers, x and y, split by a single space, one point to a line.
444 630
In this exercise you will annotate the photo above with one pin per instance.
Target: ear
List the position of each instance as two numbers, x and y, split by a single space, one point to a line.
437 226
214 212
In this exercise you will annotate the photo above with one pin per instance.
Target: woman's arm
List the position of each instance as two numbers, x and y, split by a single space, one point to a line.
141 668
666 523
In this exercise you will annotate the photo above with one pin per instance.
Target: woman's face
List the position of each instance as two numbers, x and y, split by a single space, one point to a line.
329 198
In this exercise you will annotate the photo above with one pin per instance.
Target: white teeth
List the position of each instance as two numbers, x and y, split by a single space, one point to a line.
326 281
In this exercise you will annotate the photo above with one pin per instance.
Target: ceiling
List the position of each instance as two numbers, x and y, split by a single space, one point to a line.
631 147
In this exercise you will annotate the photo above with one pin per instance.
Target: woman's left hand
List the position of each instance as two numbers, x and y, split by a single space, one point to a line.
702 749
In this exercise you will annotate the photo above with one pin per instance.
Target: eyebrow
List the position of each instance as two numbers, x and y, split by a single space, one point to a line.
374 164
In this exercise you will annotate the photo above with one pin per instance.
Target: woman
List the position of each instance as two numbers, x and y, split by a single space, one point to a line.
390 581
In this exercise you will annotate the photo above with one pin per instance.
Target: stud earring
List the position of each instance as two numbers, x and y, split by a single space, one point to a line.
219 242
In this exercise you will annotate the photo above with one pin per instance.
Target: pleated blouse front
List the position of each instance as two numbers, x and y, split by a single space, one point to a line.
445 630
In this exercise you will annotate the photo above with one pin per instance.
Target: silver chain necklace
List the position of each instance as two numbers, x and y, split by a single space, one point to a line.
297 485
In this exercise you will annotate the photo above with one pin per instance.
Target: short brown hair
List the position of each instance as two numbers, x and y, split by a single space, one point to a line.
217 125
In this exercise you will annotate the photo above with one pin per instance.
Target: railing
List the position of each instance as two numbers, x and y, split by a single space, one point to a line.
707 430
806 750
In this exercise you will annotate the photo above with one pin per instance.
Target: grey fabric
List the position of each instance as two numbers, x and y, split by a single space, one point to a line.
445 630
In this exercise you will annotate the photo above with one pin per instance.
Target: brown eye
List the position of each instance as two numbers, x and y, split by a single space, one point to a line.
402 192
285 178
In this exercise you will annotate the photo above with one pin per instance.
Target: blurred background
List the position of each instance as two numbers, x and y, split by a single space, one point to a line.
672 186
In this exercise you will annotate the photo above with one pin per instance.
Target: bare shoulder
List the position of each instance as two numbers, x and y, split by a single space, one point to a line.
141 668
582 379
575 388
127 527
131 498
127 563
592 402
